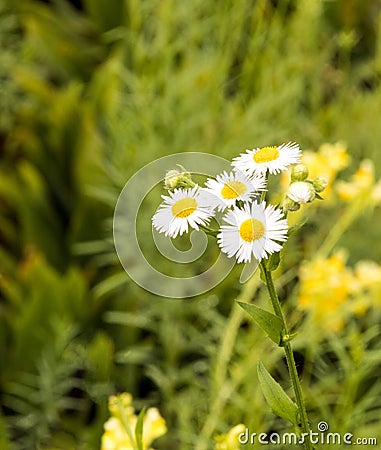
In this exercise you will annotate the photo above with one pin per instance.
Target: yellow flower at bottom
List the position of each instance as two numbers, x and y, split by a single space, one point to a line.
153 426
230 440
116 437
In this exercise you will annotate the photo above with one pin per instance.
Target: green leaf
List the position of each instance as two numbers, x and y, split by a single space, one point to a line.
278 400
297 226
270 323
139 429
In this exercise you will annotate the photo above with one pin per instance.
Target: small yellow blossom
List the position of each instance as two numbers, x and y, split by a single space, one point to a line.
334 155
325 287
362 185
330 291
368 275
115 436
230 440
124 401
153 426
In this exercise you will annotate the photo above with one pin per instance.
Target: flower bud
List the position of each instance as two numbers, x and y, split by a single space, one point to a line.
172 178
290 205
320 183
176 179
299 172
301 192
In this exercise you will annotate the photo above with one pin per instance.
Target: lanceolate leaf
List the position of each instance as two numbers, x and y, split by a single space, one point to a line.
270 323
139 430
278 400
297 226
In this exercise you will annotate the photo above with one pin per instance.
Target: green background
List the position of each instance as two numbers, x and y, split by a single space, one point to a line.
91 93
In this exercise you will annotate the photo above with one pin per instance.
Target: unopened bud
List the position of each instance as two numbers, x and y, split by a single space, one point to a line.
320 183
301 192
172 178
289 205
176 179
299 172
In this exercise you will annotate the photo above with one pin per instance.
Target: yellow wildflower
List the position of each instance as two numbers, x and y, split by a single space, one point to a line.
362 184
121 401
230 440
335 156
325 287
368 275
115 436
153 426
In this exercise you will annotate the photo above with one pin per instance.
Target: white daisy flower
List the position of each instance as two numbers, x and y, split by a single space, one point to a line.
227 188
274 159
252 232
182 208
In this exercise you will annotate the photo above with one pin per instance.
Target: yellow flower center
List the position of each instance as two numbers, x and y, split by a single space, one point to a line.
233 189
266 154
184 207
251 230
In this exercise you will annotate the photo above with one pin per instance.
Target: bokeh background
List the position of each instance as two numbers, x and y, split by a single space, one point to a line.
90 92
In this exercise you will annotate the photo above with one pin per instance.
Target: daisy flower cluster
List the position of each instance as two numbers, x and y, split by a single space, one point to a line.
250 227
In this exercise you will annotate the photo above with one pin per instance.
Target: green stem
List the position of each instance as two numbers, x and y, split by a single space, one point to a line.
305 427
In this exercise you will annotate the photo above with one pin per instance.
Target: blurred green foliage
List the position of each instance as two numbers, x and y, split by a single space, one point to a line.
91 94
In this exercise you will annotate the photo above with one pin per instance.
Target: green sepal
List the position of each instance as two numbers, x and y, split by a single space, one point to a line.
270 323
139 430
277 399
273 262
318 196
209 231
